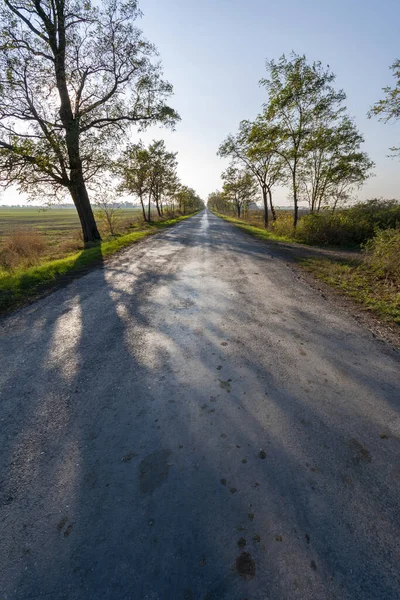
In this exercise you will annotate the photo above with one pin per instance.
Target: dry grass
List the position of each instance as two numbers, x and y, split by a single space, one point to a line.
22 248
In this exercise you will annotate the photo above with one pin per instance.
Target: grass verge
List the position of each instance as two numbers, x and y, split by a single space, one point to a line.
21 286
258 232
357 281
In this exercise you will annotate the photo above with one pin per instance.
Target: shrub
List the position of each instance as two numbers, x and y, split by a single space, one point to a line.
383 254
326 229
22 248
351 226
284 224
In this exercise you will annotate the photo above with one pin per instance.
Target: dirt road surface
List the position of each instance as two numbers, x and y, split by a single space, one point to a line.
194 422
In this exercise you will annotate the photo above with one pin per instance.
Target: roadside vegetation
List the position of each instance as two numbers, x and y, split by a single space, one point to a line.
370 275
305 141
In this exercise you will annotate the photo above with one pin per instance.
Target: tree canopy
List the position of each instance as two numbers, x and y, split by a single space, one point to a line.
389 107
74 76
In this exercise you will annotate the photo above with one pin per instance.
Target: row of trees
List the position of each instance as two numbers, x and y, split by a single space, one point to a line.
150 174
303 138
74 78
238 192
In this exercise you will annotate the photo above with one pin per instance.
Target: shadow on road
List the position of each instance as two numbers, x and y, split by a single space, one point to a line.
152 435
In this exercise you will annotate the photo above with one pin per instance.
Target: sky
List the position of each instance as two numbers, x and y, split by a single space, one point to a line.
214 52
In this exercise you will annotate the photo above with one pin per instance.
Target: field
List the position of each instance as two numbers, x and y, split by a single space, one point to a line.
49 221
59 227
45 220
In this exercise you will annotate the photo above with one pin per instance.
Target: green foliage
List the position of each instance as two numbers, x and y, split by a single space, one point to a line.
239 188
283 225
75 77
150 174
360 283
389 107
262 162
383 255
302 137
352 226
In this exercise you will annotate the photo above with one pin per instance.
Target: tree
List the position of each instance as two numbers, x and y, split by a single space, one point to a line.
217 201
333 163
239 187
187 199
299 95
74 76
108 211
163 177
261 161
134 168
150 175
389 108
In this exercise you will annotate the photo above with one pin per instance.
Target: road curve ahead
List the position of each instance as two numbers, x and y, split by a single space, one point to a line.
194 422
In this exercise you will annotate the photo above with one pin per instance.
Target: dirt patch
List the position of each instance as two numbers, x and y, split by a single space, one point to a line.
245 565
225 385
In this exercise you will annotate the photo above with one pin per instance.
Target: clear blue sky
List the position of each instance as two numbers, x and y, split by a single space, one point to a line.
214 54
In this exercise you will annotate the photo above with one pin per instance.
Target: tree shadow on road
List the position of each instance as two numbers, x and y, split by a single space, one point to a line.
152 441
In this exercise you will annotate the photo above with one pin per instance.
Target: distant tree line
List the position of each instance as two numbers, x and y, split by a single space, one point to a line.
150 174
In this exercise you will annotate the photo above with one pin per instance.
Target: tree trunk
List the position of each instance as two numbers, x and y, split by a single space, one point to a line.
265 200
157 200
273 211
143 209
238 211
81 200
295 200
149 209
77 186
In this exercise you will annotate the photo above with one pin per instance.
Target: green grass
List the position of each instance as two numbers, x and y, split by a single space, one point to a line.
258 232
22 285
357 281
46 219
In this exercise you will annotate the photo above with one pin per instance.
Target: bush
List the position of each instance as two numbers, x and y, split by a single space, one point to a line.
22 248
327 229
383 254
284 224
351 226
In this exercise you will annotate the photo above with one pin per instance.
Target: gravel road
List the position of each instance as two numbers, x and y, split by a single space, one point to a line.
194 422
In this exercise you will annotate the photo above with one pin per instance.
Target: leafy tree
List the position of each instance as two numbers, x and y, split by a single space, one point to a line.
187 199
333 163
163 177
74 76
389 108
261 161
150 175
218 201
300 94
134 168
239 188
